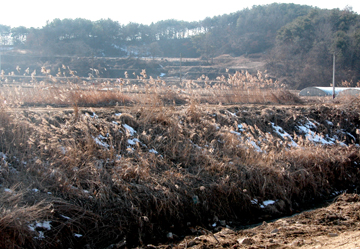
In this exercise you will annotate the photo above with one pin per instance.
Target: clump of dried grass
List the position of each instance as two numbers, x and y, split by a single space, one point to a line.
242 87
64 96
13 135
171 97
283 96
16 216
349 102
99 98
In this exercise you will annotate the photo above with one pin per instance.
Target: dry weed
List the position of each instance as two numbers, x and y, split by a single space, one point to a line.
140 174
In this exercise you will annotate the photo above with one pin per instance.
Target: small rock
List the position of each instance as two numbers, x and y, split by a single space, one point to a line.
333 234
275 230
222 223
246 241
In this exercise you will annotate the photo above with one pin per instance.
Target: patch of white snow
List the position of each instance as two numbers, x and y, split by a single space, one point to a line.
284 134
101 143
133 141
266 203
129 129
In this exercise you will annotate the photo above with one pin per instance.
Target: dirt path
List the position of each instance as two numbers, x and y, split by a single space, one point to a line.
335 226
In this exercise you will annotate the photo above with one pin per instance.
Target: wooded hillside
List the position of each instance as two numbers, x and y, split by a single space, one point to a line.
296 41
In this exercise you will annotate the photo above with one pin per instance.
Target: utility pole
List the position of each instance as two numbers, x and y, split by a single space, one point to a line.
333 81
180 68
0 58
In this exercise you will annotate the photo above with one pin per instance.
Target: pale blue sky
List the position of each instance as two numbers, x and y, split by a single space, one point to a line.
35 13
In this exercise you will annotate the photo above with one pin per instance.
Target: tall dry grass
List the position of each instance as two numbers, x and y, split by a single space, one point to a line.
238 88
16 216
135 174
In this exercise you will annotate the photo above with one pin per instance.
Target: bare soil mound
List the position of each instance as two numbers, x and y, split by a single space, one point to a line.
334 226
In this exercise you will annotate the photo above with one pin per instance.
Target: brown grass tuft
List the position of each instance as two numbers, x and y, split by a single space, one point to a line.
17 217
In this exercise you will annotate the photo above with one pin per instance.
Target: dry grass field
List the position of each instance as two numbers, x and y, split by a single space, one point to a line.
91 164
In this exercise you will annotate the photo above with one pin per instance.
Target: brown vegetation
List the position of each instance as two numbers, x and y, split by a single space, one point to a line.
152 168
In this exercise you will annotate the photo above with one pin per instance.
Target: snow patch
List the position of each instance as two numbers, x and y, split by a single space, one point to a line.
255 146
284 134
63 150
8 190
65 217
236 133
153 151
129 129
94 115
241 127
231 114
101 143
40 225
266 203
133 141
254 201
312 136
3 156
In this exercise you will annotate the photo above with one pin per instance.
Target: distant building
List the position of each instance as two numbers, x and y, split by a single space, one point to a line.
328 91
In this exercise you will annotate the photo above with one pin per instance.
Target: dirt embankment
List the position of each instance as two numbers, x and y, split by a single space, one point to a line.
140 175
334 226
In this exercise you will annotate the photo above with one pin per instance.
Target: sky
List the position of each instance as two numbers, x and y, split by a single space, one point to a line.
35 13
